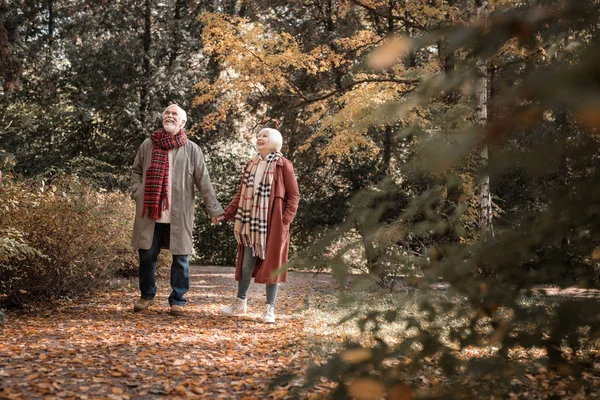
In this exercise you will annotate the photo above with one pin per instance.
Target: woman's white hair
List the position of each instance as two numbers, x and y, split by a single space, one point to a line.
181 112
275 138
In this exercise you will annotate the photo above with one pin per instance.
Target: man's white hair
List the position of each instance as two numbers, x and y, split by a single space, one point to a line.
275 138
180 111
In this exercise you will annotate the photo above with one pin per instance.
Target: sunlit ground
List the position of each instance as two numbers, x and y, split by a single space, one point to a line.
529 370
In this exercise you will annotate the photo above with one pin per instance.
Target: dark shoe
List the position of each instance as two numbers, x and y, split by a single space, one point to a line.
142 304
176 310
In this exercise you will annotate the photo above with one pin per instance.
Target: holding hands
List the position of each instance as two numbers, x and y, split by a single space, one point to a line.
216 219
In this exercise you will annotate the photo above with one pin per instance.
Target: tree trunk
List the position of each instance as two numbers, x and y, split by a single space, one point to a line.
242 8
485 198
231 7
370 250
179 4
50 28
49 53
388 131
329 16
411 60
387 151
10 67
446 60
329 25
146 67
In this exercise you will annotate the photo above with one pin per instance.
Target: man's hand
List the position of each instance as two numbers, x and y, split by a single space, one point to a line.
215 220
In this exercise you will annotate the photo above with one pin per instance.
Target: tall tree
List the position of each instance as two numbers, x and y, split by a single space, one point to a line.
11 67
481 115
146 77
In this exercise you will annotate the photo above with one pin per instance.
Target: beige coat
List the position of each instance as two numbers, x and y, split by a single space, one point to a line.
188 170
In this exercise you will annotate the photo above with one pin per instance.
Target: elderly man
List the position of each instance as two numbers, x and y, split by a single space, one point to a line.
164 173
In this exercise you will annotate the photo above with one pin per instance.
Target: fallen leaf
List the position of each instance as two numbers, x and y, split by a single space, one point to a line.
366 389
400 392
355 356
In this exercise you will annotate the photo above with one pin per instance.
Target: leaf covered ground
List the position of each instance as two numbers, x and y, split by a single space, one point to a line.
96 347
530 375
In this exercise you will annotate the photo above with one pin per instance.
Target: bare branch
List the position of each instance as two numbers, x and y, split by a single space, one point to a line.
353 84
413 24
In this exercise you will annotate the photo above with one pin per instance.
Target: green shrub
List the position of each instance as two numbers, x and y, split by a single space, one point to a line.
215 244
60 240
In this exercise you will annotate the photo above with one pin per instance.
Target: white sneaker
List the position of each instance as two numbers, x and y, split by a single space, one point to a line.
238 307
268 316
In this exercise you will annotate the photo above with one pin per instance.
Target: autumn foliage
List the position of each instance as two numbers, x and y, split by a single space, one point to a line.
406 121
60 239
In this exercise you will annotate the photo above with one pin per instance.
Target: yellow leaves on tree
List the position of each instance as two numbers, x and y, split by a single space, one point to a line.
255 63
339 97
258 65
348 118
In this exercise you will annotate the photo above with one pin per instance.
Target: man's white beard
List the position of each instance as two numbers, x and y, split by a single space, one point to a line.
170 127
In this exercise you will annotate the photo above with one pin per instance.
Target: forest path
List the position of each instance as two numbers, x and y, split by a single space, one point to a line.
96 347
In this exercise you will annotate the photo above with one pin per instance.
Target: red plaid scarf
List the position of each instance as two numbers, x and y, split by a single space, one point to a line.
156 191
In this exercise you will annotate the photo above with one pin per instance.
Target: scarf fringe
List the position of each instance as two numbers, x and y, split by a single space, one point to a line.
257 249
151 211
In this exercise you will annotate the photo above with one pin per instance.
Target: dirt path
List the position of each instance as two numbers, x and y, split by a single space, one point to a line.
98 348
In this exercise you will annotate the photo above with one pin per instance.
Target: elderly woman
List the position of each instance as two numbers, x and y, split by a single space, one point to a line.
263 209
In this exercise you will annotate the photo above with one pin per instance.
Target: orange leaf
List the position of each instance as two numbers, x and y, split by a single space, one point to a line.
400 392
355 356
366 389
589 116
530 377
197 390
181 390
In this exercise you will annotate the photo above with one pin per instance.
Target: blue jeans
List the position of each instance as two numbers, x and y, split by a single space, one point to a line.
180 274
248 265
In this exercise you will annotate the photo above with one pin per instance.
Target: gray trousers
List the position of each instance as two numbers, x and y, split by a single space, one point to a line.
248 265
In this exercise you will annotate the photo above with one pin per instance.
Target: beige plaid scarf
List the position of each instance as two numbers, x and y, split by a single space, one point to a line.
252 212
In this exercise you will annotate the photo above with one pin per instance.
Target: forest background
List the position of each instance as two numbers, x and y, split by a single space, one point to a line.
451 140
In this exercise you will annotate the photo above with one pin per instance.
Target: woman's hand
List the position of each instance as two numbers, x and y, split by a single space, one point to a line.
215 220
238 237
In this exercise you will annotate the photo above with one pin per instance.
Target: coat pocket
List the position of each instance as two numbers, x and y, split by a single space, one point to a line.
279 188
138 192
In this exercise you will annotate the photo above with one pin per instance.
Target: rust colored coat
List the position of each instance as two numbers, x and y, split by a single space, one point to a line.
283 204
